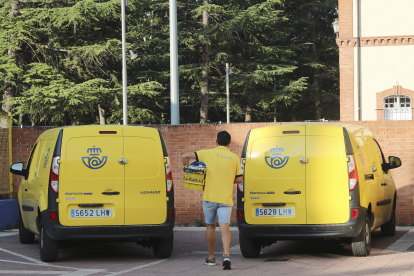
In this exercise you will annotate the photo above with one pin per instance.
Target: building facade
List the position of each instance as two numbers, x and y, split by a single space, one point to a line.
376 74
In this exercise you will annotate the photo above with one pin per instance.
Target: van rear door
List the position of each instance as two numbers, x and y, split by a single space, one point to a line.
145 181
91 179
275 189
327 187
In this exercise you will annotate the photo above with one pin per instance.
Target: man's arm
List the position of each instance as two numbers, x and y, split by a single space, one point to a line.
187 156
238 179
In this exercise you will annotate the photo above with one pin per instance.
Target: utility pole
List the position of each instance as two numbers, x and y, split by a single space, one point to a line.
228 93
174 93
124 69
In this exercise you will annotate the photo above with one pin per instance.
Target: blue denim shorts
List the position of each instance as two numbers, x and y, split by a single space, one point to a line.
212 209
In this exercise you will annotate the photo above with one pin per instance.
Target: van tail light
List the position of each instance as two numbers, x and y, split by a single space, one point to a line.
352 172
354 213
168 174
54 174
240 214
53 216
170 214
241 185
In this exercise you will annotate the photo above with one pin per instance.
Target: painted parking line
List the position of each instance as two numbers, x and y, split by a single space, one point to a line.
200 229
402 244
137 268
9 233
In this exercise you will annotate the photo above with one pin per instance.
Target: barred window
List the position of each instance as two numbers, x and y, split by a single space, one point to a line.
397 107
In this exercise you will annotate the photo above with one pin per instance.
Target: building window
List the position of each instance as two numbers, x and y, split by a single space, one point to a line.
397 107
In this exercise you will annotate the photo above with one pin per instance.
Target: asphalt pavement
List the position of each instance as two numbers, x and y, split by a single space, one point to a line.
389 256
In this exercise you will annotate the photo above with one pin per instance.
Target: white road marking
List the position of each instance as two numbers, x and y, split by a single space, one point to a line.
31 272
137 267
83 272
200 229
235 250
24 257
402 244
5 234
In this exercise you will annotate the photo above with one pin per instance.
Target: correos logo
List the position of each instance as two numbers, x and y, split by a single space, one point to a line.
276 160
93 161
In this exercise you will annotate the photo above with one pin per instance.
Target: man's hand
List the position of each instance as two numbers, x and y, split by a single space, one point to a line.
187 156
238 179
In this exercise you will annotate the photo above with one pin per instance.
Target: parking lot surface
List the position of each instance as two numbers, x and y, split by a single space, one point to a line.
389 256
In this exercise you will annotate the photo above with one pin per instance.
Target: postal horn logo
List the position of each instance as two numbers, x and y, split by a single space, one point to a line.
276 160
93 161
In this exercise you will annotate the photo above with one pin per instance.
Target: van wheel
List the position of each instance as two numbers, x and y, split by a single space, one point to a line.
361 245
388 229
163 248
48 247
25 236
249 248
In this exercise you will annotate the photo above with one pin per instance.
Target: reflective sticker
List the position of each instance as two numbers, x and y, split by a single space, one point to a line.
46 158
255 198
70 198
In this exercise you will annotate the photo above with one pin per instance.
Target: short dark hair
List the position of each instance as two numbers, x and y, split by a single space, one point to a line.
223 138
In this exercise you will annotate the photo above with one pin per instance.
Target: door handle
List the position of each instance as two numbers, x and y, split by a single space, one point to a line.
383 184
122 161
374 168
274 204
304 160
91 205
292 192
111 193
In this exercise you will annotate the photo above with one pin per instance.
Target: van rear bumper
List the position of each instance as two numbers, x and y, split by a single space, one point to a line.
293 232
57 231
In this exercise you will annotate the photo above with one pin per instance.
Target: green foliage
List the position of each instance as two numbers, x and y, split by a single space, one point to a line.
199 222
64 59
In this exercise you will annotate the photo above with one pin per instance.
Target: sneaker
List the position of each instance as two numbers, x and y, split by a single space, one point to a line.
226 262
211 261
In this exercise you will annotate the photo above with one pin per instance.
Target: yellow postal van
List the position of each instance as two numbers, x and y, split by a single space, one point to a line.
314 181
97 182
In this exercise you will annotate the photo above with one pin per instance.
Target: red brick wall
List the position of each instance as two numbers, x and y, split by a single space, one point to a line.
395 137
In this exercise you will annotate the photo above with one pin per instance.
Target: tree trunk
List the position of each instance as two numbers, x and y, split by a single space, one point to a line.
316 87
249 110
10 84
101 115
204 73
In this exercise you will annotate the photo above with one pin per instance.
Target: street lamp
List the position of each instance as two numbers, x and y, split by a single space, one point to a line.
228 72
335 26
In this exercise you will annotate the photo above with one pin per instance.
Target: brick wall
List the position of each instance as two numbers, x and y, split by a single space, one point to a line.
395 137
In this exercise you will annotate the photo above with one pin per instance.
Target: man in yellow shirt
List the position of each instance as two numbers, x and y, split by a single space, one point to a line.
223 170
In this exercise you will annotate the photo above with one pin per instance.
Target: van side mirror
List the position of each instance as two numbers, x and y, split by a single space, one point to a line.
394 162
18 169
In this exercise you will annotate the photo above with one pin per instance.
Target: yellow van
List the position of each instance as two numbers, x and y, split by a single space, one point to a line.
97 183
314 181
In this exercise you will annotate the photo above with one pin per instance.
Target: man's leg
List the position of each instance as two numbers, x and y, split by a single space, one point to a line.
210 213
225 237
211 239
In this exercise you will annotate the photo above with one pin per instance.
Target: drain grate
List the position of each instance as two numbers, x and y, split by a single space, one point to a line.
277 260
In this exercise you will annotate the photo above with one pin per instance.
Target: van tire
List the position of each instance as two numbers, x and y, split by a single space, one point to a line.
249 248
361 245
388 229
48 247
25 236
163 248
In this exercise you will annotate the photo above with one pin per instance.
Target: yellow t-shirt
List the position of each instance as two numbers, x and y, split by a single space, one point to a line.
223 167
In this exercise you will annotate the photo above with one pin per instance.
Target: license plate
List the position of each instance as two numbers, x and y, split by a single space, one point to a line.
91 213
275 212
